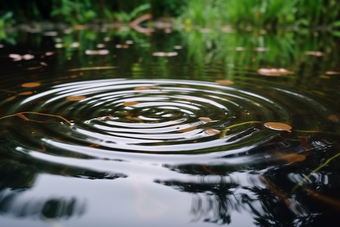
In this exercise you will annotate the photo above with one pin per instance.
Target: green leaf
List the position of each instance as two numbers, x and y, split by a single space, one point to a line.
336 24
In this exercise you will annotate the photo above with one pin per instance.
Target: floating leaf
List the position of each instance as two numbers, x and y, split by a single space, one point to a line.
131 103
278 126
141 88
165 54
31 84
292 158
187 129
75 98
211 131
205 119
334 118
274 72
314 53
97 52
261 49
26 93
224 82
332 73
105 117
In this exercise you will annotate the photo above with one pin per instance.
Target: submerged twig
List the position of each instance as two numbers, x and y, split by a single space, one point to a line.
314 171
224 132
22 116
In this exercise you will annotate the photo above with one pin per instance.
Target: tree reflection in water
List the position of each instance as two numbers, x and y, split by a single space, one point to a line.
17 178
264 191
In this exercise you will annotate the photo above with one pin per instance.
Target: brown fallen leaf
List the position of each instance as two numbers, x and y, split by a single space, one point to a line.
131 103
314 53
224 82
31 84
26 93
187 129
334 117
274 72
332 73
205 119
292 158
278 126
141 88
75 98
211 131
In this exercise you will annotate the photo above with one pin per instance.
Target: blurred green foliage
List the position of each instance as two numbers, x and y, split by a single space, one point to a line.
316 13
261 12
84 11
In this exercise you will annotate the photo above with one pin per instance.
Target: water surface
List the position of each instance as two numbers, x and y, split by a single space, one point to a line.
106 126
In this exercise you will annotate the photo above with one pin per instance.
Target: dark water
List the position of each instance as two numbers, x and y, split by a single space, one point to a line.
110 127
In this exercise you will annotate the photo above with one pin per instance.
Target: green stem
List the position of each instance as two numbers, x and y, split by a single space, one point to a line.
224 132
315 170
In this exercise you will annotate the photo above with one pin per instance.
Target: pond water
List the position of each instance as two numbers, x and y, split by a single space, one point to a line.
195 127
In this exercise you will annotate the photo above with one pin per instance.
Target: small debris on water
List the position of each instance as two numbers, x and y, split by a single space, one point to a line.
211 131
334 118
75 98
314 53
274 72
224 82
205 119
97 52
141 88
278 126
332 73
31 84
131 103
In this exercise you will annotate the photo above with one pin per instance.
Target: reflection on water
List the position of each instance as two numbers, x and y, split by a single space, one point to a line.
113 127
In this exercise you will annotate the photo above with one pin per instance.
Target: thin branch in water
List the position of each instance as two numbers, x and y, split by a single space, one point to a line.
22 116
314 171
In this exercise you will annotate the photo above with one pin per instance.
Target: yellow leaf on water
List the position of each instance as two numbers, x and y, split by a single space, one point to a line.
141 88
205 119
274 72
187 129
75 98
211 131
131 103
31 84
292 158
278 126
332 73
314 53
224 82
26 93
334 118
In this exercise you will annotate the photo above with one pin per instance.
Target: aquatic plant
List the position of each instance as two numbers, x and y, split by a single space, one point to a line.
6 20
260 13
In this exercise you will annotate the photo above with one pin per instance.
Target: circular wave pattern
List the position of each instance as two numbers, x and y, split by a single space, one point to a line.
103 118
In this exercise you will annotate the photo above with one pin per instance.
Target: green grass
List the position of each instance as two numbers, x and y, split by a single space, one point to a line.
211 13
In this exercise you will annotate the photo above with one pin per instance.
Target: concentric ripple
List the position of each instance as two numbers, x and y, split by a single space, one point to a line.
114 117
